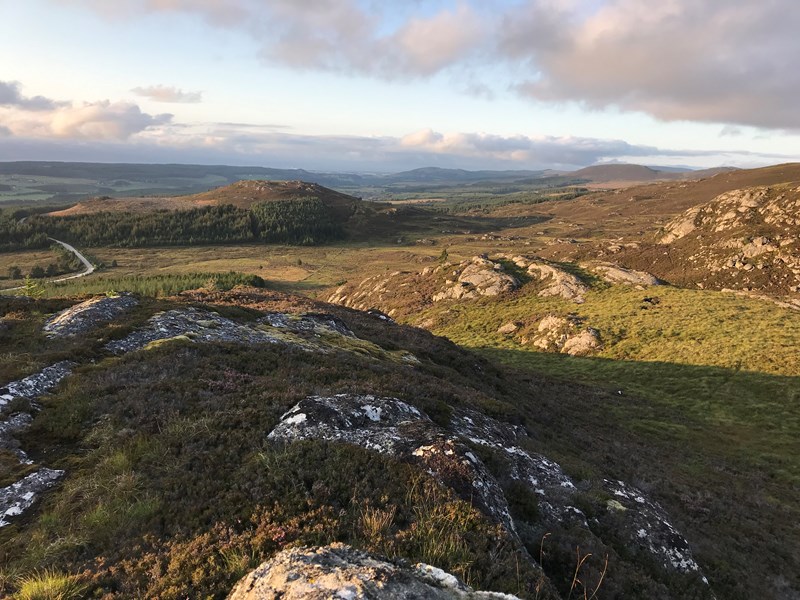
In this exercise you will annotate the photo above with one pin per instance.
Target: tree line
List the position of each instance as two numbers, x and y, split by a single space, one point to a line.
301 221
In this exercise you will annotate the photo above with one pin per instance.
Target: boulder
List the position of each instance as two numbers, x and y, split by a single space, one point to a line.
620 275
88 315
477 277
586 342
509 328
19 496
338 571
558 282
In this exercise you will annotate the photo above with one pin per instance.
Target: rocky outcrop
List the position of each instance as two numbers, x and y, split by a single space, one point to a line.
316 323
744 239
35 385
20 496
394 427
307 331
479 277
87 315
401 292
566 335
339 571
312 332
731 210
553 280
620 275
191 324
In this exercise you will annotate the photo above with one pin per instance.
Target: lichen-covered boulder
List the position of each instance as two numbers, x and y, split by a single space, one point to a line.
87 315
338 571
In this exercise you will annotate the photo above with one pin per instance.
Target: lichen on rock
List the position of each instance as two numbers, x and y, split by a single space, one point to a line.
340 572
89 314
396 428
20 496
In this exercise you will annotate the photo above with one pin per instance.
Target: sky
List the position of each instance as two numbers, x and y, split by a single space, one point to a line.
388 85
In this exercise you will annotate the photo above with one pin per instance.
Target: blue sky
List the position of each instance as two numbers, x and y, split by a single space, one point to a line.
382 86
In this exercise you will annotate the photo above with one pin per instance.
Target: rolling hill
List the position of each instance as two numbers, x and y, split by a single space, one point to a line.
242 194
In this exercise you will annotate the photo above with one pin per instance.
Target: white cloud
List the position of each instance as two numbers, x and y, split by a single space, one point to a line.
103 121
40 117
163 93
335 35
244 145
721 61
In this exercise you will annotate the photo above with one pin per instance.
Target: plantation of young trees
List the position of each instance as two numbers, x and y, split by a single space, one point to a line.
304 221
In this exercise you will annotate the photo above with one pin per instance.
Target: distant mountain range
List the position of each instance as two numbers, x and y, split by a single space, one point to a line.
63 183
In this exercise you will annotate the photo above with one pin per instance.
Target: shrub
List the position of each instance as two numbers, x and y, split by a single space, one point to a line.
49 585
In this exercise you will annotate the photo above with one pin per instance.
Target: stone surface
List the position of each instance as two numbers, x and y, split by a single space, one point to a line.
20 496
340 572
508 328
396 428
475 278
35 385
567 335
554 281
192 324
620 275
393 427
582 344
744 239
87 315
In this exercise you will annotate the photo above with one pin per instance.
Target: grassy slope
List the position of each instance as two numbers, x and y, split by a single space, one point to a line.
173 491
706 414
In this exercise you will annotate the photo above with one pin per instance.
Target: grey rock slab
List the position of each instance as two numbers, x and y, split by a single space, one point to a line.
393 427
191 323
37 384
20 496
87 315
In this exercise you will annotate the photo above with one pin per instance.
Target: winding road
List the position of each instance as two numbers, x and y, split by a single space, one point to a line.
88 271
89 266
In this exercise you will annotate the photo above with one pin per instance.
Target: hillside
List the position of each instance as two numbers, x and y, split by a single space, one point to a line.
744 239
625 175
161 449
606 173
593 395
242 194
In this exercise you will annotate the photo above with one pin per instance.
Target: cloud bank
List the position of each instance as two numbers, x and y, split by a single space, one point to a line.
244 145
40 117
726 61
720 61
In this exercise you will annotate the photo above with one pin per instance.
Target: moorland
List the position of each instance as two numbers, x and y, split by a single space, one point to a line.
638 325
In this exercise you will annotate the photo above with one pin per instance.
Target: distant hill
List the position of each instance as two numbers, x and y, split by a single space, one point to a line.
625 173
292 212
606 173
242 194
439 175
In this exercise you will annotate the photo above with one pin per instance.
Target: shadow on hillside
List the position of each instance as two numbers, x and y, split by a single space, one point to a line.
719 448
704 396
